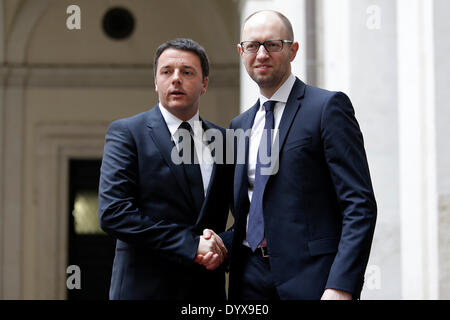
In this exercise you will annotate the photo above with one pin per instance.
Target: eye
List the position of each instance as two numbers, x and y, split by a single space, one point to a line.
273 44
250 46
189 72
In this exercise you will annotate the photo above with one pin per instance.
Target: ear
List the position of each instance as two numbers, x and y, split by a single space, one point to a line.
205 85
156 87
293 51
239 49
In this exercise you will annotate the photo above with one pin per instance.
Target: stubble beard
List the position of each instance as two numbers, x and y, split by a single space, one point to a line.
268 81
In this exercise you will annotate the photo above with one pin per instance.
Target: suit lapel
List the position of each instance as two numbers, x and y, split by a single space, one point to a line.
206 126
291 109
163 140
240 177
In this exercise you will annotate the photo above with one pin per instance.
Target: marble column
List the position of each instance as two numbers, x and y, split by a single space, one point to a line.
417 142
12 184
357 55
442 113
14 49
2 61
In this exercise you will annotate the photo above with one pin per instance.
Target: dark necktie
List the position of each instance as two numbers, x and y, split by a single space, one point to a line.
255 230
191 166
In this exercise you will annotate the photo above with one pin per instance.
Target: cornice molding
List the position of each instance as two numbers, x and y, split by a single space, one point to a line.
102 76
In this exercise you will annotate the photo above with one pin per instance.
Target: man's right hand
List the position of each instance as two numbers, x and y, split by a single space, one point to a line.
211 251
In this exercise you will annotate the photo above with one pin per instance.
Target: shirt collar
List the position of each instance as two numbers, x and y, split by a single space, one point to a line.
173 123
282 94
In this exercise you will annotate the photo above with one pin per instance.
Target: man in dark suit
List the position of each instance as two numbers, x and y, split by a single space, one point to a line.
160 188
304 230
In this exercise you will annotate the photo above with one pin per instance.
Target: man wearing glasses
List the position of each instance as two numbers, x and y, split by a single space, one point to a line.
304 230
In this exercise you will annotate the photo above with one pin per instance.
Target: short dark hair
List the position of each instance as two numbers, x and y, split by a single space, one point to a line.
184 44
286 22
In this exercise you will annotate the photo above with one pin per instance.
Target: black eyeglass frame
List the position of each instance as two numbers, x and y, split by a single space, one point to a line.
264 45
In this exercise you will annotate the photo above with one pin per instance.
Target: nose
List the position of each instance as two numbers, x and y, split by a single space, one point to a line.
262 52
176 78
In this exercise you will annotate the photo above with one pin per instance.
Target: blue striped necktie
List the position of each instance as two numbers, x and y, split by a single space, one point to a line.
255 230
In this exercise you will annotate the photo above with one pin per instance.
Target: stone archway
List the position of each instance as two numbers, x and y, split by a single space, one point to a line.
57 109
11 190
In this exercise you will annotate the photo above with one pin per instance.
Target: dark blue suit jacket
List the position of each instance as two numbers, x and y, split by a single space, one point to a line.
145 202
319 208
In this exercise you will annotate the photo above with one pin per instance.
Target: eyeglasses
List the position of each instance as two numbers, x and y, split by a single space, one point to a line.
269 45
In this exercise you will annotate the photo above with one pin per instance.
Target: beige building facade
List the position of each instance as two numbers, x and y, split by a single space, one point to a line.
61 87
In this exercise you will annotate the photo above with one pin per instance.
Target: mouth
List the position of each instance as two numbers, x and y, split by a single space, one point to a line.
177 93
262 67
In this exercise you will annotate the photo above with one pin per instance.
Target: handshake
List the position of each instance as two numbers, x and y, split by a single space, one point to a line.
211 251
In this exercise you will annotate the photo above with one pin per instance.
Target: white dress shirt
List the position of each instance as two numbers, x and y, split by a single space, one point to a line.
205 158
281 96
